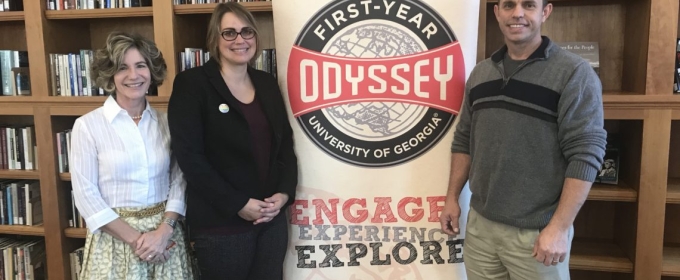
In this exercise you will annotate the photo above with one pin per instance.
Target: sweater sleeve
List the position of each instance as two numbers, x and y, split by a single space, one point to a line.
581 124
461 137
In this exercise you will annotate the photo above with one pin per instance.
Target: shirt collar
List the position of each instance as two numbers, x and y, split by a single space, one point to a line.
542 52
112 109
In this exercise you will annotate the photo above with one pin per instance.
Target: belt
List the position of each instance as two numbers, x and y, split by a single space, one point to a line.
146 212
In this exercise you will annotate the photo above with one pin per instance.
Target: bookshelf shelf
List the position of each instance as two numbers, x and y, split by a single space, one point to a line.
65 105
91 99
188 9
12 16
632 100
671 262
21 110
617 106
605 192
22 230
19 174
611 100
100 13
65 176
622 113
673 194
75 232
599 256
16 98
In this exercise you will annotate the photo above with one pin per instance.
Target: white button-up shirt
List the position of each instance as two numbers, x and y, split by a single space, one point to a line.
117 163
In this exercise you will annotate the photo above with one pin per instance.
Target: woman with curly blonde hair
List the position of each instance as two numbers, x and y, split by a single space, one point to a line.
126 183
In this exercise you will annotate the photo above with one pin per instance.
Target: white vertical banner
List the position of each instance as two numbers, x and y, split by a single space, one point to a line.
373 89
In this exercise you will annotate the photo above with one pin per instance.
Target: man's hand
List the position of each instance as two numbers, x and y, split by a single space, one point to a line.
449 218
551 245
252 210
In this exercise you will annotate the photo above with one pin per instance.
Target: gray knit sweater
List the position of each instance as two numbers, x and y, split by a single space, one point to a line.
527 132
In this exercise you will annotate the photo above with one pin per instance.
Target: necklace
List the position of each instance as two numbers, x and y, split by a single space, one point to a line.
136 117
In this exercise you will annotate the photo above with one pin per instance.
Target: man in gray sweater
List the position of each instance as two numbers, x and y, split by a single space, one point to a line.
530 139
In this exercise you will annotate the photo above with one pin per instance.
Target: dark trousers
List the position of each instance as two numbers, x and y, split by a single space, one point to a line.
254 255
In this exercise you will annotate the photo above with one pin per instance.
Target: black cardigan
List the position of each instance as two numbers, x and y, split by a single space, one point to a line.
213 148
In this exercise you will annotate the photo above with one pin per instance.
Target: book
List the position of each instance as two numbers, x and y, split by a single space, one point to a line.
609 171
21 83
676 75
590 51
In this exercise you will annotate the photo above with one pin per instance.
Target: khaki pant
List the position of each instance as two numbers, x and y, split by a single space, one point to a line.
497 251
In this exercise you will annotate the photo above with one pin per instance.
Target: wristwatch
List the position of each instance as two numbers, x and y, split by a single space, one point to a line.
172 223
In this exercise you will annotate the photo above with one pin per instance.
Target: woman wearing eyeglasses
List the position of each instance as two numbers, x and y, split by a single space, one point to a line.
232 139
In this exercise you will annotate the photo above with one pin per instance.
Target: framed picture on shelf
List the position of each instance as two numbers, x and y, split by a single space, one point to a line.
609 171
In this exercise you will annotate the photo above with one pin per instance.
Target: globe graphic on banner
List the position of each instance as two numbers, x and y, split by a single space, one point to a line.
374 121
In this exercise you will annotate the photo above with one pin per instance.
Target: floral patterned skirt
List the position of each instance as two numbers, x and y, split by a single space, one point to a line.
106 257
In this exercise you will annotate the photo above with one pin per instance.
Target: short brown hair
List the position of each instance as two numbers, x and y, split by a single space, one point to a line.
214 36
108 60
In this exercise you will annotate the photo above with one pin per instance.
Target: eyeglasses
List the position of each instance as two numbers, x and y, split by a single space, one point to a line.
231 34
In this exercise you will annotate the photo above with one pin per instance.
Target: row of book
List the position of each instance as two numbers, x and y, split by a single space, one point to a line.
70 74
75 220
14 76
180 2
20 202
76 259
22 259
676 75
63 148
108 4
194 57
11 5
266 61
18 149
95 4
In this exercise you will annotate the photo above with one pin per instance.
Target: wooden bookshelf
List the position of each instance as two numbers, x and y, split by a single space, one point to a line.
636 44
671 261
25 110
80 105
630 99
65 176
100 13
75 232
12 16
67 100
22 230
19 174
673 194
599 256
605 192
265 6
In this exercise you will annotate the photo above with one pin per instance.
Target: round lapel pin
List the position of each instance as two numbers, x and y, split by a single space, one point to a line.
224 108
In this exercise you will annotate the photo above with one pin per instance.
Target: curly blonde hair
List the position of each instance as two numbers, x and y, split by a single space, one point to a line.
108 60
213 37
